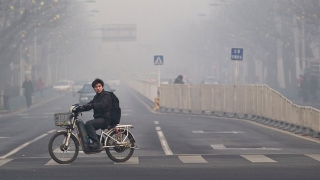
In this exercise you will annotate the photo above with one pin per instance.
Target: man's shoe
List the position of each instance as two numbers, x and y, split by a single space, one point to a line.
95 145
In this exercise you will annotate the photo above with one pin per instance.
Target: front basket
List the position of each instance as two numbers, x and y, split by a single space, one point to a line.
62 119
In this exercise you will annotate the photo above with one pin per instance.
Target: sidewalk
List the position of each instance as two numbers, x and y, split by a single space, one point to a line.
7 113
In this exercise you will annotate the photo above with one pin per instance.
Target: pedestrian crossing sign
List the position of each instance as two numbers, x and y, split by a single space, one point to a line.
158 60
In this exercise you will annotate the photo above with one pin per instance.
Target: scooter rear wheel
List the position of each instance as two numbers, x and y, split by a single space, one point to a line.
123 151
58 150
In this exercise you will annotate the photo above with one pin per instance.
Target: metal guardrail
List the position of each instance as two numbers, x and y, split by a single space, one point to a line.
147 89
257 102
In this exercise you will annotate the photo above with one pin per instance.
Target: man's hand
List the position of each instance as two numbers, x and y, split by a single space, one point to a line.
87 106
78 109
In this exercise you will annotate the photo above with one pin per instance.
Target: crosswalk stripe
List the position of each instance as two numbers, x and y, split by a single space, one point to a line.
57 151
53 163
192 159
4 161
132 160
218 146
185 159
258 158
4 137
314 156
222 147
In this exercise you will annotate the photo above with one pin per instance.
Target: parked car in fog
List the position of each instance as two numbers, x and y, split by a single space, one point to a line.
113 80
64 86
210 80
87 93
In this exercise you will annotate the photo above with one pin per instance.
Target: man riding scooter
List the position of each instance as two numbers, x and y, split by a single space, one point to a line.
101 105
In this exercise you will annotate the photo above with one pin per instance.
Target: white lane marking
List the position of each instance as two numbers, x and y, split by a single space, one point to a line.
2 137
258 158
4 161
23 145
156 122
48 113
197 132
132 160
164 143
220 132
23 114
314 156
192 159
218 146
51 131
57 150
222 147
53 163
158 128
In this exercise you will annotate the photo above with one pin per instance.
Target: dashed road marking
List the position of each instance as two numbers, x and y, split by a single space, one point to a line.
219 132
156 122
2 137
164 143
192 159
4 161
258 159
218 146
22 146
222 147
314 156
53 163
158 128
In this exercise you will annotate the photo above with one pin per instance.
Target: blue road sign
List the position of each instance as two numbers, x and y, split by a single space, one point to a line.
158 60
236 53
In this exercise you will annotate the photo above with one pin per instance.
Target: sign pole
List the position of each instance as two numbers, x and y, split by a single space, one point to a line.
158 75
236 54
236 73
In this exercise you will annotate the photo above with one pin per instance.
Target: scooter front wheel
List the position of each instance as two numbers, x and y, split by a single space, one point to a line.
59 151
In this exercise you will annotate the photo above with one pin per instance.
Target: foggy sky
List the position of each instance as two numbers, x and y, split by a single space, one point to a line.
162 27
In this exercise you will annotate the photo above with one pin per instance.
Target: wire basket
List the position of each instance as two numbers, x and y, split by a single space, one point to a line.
62 119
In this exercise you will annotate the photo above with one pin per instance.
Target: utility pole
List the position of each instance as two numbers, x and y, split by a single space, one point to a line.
303 44
296 45
21 67
280 72
35 53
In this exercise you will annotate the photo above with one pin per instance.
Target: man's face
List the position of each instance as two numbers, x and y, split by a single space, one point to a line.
98 88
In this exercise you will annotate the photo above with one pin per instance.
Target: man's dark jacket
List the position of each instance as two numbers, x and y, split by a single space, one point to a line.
101 105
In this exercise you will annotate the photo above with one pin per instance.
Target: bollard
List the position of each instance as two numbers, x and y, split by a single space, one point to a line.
156 104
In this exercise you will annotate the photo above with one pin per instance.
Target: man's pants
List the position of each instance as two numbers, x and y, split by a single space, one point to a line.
28 100
95 124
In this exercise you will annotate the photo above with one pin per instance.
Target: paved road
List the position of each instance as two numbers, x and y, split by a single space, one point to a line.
172 146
